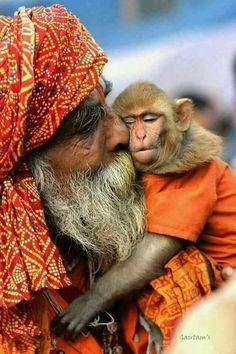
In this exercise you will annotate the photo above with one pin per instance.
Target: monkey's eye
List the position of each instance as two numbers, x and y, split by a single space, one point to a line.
129 120
149 117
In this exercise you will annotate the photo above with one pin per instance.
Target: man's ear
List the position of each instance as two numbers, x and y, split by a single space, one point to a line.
184 113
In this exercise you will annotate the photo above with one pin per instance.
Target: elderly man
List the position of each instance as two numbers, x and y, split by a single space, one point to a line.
49 64
71 207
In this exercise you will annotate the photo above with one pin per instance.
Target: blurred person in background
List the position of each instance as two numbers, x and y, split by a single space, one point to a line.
206 112
207 115
229 153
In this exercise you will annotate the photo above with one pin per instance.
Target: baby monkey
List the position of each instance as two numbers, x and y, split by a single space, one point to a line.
163 134
190 195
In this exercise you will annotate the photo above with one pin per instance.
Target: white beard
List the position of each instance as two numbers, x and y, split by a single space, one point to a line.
102 211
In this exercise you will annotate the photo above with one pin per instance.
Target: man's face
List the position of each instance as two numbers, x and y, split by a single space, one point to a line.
82 167
97 148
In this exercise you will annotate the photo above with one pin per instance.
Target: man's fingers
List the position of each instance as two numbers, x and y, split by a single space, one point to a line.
228 272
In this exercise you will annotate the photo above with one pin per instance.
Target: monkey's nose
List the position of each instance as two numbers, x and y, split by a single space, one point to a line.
139 132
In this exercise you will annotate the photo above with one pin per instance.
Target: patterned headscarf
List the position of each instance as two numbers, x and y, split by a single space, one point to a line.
48 64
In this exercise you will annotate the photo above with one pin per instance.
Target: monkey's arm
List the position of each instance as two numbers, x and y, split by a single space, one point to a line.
145 263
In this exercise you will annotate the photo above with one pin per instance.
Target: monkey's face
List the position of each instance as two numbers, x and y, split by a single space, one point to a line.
156 123
145 126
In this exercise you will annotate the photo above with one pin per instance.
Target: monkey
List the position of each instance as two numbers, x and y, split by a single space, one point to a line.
177 155
181 174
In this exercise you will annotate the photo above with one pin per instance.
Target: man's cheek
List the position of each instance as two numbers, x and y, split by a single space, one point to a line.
133 141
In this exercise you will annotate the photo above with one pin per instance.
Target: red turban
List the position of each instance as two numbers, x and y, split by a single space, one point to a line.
48 64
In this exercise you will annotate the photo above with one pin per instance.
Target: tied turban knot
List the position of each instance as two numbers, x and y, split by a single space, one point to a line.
49 63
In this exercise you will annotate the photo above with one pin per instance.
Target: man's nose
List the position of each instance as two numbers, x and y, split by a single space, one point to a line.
118 133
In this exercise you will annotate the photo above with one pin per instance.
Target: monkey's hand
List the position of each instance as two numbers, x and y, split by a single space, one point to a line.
145 263
78 314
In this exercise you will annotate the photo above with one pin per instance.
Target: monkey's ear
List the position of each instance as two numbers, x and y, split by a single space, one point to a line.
184 113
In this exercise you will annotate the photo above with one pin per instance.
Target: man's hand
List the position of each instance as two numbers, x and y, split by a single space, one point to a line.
77 315
228 272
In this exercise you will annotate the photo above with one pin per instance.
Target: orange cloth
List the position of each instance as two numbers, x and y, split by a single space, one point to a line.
185 282
48 64
168 297
199 206
164 302
40 312
87 343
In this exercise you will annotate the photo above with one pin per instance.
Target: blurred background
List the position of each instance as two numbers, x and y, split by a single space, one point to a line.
187 47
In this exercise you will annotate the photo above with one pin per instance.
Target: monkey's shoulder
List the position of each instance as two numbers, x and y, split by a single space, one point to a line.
209 173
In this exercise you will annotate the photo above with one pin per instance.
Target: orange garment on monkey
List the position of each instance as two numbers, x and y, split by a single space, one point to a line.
197 206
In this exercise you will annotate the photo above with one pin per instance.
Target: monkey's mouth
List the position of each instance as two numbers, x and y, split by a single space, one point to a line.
145 155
